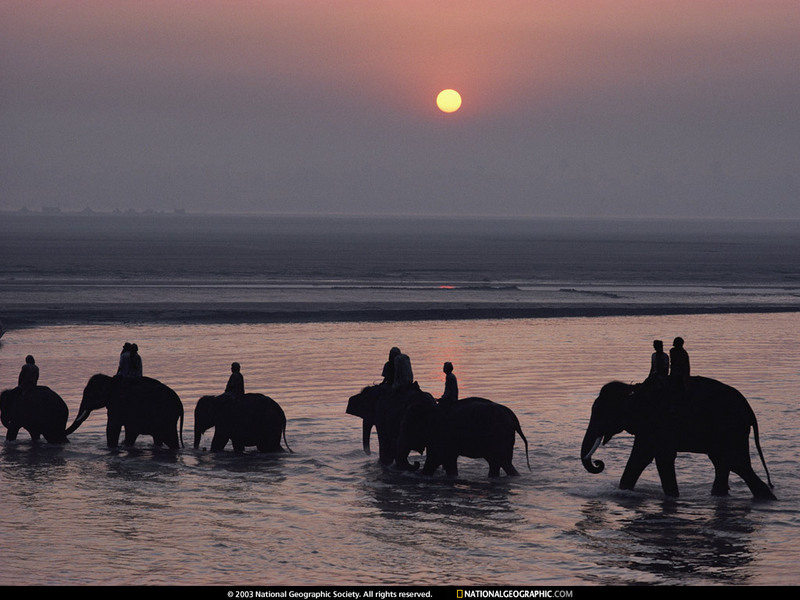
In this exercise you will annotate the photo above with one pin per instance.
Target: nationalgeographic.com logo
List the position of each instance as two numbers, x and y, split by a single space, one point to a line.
511 594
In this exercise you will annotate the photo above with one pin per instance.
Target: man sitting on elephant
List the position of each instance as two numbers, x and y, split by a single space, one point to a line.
235 386
28 375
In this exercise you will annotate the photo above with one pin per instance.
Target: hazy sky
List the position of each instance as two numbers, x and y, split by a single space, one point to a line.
591 107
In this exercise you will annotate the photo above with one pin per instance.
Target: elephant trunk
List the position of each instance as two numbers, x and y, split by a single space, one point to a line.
591 442
82 416
366 431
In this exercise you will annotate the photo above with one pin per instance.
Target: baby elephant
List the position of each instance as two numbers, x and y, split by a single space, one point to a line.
248 420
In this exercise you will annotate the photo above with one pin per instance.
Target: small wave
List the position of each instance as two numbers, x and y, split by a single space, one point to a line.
590 293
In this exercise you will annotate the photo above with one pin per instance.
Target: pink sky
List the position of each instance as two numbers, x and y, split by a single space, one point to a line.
582 107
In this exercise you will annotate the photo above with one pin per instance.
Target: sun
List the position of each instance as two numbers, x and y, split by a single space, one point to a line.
448 101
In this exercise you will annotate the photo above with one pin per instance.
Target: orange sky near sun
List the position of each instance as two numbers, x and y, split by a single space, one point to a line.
398 52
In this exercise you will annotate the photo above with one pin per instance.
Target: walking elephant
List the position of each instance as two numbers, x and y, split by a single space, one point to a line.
382 406
472 427
41 412
249 420
142 405
704 417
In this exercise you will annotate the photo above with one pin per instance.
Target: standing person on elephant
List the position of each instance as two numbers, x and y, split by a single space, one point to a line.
28 375
388 367
679 365
659 363
135 362
235 386
450 395
124 360
403 374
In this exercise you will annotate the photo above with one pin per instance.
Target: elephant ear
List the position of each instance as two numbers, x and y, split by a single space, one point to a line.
362 405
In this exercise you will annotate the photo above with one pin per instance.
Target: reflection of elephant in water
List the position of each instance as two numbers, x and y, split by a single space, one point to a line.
140 404
708 418
473 427
383 407
250 420
41 412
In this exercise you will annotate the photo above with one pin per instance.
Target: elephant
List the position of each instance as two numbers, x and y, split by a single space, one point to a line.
140 404
472 427
705 416
42 412
383 406
249 420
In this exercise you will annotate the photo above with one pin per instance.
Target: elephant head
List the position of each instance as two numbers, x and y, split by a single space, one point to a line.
8 400
611 413
96 395
363 405
383 407
204 417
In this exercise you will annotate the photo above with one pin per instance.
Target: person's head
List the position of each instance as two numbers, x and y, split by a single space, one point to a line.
29 360
134 348
658 345
394 352
448 367
126 347
235 367
678 342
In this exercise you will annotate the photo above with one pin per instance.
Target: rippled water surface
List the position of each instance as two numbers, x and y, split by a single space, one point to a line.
328 514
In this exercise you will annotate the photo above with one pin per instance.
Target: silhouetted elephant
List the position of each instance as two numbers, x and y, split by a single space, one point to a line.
41 412
383 407
708 418
472 427
249 420
142 405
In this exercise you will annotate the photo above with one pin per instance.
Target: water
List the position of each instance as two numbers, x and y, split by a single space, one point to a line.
327 514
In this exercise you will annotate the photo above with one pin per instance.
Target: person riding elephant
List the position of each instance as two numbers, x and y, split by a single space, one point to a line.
450 395
382 407
28 375
235 385
40 411
472 427
247 420
716 421
142 405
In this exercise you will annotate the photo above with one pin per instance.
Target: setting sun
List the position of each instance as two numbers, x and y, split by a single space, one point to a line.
448 101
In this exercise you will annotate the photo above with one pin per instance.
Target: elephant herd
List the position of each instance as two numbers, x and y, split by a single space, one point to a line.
706 417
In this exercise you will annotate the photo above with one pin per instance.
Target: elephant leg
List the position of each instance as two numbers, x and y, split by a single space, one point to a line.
12 433
218 442
510 470
637 462
451 467
113 431
431 464
721 475
130 437
665 464
760 489
170 440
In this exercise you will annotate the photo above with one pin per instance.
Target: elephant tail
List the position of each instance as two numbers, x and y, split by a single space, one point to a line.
524 439
760 453
180 431
284 438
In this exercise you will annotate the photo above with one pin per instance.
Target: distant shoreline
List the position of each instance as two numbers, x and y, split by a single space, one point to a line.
19 317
